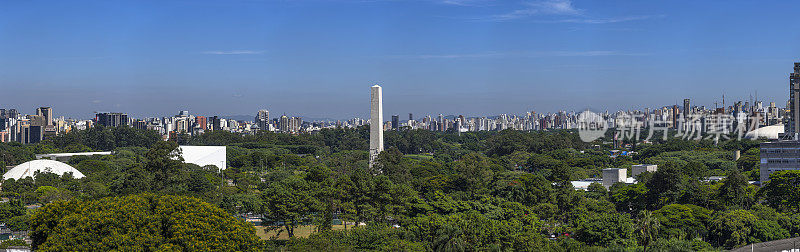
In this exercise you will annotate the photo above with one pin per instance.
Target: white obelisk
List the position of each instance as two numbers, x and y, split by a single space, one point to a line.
375 124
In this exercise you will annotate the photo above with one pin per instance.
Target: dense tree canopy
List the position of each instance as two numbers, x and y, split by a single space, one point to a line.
138 222
428 191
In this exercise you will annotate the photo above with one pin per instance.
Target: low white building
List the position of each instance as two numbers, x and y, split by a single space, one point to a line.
640 168
614 175
64 157
205 155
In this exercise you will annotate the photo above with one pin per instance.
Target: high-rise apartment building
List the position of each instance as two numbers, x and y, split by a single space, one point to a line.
262 119
46 113
13 114
215 123
37 120
686 109
793 122
395 122
201 122
284 123
140 124
675 116
111 119
441 123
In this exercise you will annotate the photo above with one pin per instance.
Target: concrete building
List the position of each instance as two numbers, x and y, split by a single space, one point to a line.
614 175
283 124
65 157
111 119
639 169
262 119
46 113
779 156
375 124
686 108
794 103
201 122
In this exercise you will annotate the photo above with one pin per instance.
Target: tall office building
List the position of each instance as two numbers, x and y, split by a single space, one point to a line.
262 119
201 122
111 119
215 123
675 116
12 113
395 122
441 123
283 124
686 108
794 103
296 124
47 113
375 124
783 155
140 124
37 120
410 116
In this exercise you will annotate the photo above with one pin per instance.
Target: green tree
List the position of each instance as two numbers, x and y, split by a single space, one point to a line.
734 193
606 229
13 242
11 209
449 239
165 164
780 192
735 228
18 223
665 187
472 173
647 228
391 163
140 222
288 202
629 198
683 221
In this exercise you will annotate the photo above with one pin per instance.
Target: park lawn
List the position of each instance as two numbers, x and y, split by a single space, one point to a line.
302 231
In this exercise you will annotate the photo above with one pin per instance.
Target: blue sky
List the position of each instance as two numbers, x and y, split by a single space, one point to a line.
318 58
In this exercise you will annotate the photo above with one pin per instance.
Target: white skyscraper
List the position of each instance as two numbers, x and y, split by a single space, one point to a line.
262 119
375 124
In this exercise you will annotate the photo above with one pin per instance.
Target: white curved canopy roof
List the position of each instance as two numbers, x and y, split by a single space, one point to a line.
27 169
768 132
205 155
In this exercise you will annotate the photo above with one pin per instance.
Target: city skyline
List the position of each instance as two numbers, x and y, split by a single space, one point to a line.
471 57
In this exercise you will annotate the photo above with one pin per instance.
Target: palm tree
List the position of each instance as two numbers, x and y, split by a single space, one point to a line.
647 228
448 239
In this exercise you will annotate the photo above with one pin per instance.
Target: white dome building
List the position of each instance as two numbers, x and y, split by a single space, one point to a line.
27 169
